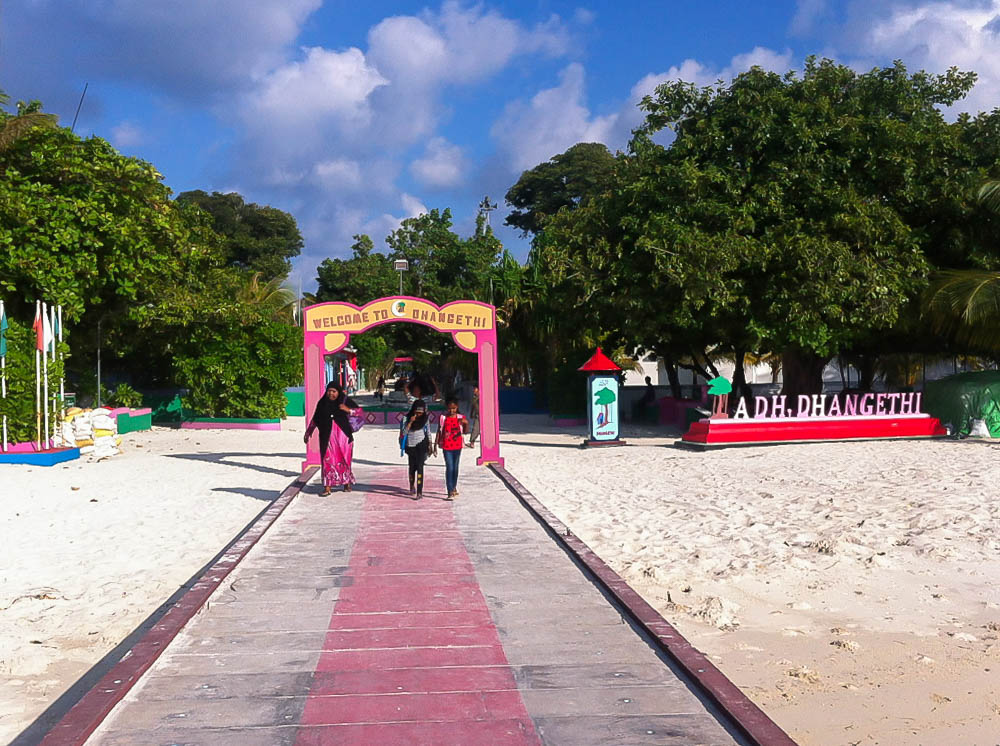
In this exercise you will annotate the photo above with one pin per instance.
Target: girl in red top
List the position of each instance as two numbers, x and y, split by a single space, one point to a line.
450 439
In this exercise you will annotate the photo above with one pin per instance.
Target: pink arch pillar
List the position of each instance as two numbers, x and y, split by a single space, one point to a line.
329 326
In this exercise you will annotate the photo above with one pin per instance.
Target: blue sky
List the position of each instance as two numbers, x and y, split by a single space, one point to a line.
354 115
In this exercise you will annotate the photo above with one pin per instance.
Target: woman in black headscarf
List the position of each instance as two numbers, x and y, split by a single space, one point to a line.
336 437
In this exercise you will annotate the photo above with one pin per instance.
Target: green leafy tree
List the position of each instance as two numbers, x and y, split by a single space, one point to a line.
566 181
228 339
84 226
362 278
257 238
794 213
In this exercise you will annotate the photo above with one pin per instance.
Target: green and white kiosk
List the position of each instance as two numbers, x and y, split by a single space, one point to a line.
603 393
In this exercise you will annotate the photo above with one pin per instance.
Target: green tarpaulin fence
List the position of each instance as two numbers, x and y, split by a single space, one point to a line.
964 397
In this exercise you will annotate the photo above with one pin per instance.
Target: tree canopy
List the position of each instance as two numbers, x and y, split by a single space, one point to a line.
565 181
256 238
85 227
797 213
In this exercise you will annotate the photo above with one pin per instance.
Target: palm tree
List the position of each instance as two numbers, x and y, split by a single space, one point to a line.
29 116
966 303
989 195
269 298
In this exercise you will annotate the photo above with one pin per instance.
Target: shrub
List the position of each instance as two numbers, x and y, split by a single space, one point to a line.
239 369
125 396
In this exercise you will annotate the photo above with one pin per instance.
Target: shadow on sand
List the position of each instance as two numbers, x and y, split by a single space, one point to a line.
263 495
222 458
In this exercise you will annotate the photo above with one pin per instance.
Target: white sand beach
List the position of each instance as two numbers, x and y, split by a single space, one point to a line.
90 549
850 589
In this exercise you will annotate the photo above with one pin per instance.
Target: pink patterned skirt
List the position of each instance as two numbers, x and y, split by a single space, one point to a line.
337 460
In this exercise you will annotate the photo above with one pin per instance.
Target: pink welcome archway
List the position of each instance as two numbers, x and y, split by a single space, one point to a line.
329 326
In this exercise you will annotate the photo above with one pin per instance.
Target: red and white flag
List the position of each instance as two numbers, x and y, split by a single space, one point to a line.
43 331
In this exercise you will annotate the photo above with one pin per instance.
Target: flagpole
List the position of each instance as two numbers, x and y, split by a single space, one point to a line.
54 399
62 374
38 379
45 370
3 377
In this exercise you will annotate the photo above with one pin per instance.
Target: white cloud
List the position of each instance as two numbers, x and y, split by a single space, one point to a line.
557 118
935 36
332 127
551 122
412 206
807 15
442 164
127 135
299 109
338 173
189 49
386 223
423 55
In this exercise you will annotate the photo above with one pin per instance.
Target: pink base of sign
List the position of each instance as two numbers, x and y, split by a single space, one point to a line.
26 447
230 425
732 432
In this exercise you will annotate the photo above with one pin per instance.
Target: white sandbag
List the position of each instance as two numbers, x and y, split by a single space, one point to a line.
979 429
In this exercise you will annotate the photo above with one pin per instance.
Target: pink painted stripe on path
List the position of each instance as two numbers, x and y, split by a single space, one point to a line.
412 654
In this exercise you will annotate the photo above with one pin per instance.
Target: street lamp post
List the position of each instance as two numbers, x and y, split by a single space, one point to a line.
401 266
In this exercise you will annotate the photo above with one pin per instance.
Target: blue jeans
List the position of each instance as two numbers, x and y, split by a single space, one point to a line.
451 468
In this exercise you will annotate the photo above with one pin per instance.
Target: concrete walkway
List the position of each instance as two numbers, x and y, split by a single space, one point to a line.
368 618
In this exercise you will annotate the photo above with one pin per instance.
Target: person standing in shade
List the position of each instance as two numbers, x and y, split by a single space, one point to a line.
336 438
648 399
450 439
474 417
415 442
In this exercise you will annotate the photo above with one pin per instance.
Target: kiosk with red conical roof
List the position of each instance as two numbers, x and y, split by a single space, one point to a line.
602 396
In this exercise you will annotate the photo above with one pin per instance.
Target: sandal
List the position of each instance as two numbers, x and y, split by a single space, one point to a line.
348 488
326 492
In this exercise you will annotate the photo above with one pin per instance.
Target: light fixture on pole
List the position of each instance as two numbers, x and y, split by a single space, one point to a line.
486 207
401 266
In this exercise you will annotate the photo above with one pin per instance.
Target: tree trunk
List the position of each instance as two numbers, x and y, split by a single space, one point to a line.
672 376
740 386
803 372
866 372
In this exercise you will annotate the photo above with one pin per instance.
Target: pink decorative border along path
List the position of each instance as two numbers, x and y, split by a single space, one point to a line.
412 654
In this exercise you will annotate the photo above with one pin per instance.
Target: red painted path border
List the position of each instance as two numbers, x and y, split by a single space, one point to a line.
76 726
742 713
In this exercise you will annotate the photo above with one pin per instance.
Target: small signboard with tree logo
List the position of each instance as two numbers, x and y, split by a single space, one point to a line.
602 394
